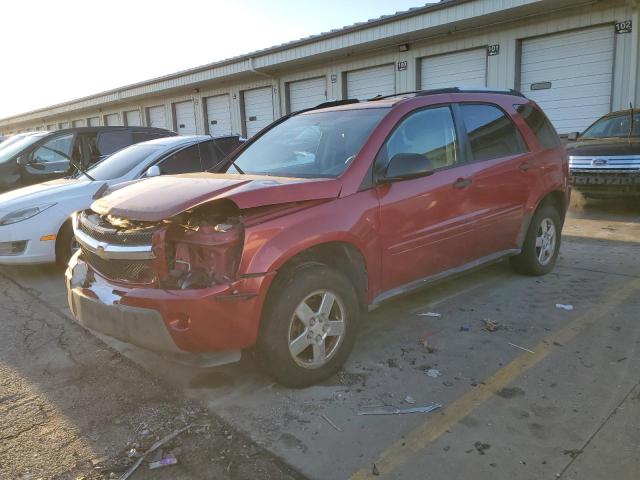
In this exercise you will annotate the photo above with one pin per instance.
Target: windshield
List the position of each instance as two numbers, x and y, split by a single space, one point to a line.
310 145
7 152
616 126
121 162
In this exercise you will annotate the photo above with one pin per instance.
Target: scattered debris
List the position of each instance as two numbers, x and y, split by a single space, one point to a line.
430 314
433 373
410 400
164 462
481 447
154 447
374 470
521 348
464 328
424 341
392 363
399 411
447 383
328 420
572 453
510 392
490 325
565 306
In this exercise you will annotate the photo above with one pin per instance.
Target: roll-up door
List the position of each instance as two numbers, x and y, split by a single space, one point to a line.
458 69
79 123
112 119
258 109
570 75
157 116
185 118
218 115
133 118
94 122
307 93
370 82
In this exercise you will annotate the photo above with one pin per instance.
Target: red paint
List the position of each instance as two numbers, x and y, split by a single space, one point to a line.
404 230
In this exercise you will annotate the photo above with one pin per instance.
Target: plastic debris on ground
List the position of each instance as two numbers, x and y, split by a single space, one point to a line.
521 348
433 373
164 462
430 314
490 325
400 411
564 306
330 422
464 328
410 400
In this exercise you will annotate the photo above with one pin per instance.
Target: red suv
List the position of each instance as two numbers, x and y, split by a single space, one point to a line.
324 214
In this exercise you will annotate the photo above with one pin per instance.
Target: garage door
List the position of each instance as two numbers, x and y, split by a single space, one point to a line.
113 119
157 117
185 119
79 123
307 93
460 69
370 82
64 125
133 118
218 115
94 122
258 109
569 75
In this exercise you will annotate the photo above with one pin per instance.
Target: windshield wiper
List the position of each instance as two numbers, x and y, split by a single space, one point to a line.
224 159
73 164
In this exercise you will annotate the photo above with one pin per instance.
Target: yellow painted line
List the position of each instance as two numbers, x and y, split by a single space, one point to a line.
420 438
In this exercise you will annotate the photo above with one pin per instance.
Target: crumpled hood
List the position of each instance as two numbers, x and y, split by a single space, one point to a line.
605 147
47 192
159 198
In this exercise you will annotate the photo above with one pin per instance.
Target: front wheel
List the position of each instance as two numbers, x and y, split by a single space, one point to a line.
66 244
542 243
309 325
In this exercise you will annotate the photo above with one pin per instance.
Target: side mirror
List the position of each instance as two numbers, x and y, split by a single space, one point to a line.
404 166
573 136
152 171
23 160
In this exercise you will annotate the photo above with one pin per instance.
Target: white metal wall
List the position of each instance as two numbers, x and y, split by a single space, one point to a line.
570 75
218 115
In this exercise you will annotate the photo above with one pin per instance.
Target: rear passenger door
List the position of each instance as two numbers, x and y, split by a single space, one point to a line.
426 223
501 179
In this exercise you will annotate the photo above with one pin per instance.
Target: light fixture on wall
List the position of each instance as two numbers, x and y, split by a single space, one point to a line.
403 47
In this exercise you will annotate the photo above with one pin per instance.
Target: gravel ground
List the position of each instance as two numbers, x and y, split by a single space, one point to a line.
73 408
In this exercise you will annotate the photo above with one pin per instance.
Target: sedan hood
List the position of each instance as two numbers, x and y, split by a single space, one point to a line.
605 147
47 192
159 198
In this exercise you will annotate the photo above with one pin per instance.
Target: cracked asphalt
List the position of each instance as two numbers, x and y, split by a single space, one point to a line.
567 406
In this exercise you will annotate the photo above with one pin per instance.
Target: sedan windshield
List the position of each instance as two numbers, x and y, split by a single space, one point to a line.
9 151
122 162
315 144
614 126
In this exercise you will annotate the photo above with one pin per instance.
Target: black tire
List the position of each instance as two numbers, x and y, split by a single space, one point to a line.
528 262
279 325
63 244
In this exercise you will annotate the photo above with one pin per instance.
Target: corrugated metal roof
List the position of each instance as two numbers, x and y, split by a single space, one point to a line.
115 93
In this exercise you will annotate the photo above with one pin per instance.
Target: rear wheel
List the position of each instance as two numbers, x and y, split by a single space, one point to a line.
542 243
66 244
309 325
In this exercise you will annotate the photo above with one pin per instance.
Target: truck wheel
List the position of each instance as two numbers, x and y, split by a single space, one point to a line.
309 325
66 244
542 243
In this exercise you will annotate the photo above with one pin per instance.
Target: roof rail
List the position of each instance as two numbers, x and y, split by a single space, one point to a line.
332 103
500 91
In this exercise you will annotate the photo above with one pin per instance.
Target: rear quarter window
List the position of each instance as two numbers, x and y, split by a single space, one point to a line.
110 142
539 125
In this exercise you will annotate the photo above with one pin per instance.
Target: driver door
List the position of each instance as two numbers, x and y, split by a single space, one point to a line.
51 159
426 223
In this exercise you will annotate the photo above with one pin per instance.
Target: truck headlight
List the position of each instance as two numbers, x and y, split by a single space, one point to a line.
24 213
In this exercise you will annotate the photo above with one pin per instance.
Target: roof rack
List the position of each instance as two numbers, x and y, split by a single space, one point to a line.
436 91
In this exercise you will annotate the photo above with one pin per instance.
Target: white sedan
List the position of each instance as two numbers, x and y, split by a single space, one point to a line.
35 224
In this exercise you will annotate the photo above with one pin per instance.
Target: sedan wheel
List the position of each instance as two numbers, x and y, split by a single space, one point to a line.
546 241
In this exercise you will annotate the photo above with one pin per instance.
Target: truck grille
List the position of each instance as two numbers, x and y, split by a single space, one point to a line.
605 163
93 226
126 271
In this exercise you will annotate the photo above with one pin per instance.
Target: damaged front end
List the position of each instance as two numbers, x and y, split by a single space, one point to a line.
195 249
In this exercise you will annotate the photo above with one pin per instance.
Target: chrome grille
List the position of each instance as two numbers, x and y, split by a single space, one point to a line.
102 231
607 163
127 271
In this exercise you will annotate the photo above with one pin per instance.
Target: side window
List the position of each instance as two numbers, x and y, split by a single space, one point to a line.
540 125
109 142
491 133
184 161
57 149
430 132
91 144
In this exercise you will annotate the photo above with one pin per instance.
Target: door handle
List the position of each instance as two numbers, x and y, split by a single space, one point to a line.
462 183
524 166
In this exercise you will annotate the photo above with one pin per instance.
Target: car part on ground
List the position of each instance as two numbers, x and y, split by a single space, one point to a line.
317 217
